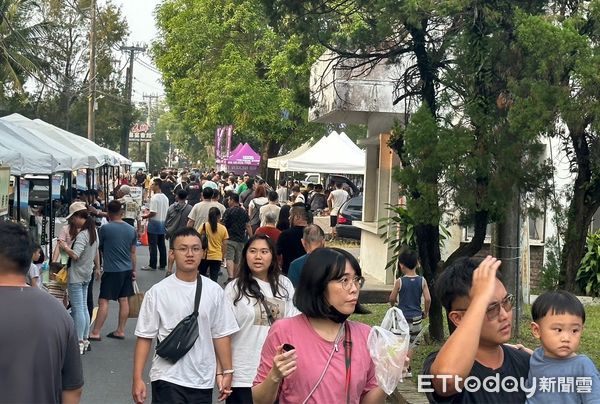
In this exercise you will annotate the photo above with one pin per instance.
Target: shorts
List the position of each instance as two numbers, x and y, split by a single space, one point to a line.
415 328
234 251
115 285
166 392
332 220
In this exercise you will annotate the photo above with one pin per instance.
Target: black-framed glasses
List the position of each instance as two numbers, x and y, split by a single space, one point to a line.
347 282
493 310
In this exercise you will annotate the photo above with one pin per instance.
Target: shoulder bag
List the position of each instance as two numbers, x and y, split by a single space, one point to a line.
204 238
254 288
184 335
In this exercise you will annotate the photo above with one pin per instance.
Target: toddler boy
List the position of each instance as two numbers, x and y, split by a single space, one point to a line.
558 372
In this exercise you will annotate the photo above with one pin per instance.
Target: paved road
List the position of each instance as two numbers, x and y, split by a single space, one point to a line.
108 367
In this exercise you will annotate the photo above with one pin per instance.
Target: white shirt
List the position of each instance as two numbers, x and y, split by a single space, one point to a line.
246 344
199 213
164 306
159 203
338 197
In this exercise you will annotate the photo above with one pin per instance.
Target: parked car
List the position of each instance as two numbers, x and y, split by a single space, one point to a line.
350 211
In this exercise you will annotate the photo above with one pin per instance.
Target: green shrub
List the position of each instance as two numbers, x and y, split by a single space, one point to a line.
588 276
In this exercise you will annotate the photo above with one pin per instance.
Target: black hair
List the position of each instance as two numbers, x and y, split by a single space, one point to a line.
282 183
42 257
216 193
557 302
408 258
157 181
273 196
182 194
318 187
322 266
89 225
207 193
16 248
234 197
213 218
295 188
283 222
250 182
114 207
55 267
245 279
455 281
182 232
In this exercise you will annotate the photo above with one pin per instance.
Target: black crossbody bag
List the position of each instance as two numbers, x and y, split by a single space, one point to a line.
184 335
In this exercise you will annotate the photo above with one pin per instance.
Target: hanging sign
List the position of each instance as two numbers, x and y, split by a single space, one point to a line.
56 182
81 180
4 190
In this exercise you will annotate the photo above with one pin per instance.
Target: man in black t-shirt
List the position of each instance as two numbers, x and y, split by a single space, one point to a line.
237 222
477 303
289 244
194 190
39 351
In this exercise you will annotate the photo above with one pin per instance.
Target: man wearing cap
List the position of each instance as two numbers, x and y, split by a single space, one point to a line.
131 207
117 246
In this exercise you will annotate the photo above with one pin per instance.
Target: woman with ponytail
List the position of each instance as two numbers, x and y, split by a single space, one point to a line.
217 244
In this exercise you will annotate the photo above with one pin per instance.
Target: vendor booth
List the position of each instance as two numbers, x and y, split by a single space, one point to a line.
245 160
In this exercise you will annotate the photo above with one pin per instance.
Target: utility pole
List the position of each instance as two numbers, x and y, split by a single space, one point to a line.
150 97
91 130
126 124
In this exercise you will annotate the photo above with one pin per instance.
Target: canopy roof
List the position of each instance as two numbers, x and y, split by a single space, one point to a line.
98 155
331 154
244 156
276 162
37 147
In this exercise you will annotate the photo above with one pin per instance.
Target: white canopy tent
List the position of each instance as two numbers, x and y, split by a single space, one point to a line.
33 161
39 140
276 162
331 154
84 157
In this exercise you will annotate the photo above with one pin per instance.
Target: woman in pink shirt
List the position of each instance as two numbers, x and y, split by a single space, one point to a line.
320 356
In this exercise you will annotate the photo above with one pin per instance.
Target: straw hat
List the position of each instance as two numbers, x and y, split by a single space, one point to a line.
76 207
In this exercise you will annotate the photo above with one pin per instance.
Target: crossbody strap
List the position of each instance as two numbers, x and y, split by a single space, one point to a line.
270 317
198 294
348 359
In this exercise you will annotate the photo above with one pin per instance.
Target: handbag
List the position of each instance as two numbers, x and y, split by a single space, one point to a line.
204 239
255 289
135 301
184 335
62 276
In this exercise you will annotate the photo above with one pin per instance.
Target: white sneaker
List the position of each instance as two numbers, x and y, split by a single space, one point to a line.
87 345
81 347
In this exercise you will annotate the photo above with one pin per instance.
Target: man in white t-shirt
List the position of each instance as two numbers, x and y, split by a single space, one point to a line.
336 199
199 213
192 378
159 205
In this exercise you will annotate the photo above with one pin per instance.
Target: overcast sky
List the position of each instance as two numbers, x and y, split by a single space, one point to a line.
140 17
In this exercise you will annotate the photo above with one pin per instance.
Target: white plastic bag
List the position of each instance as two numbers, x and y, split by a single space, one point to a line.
388 349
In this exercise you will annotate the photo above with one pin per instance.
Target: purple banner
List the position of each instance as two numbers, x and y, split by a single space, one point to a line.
223 136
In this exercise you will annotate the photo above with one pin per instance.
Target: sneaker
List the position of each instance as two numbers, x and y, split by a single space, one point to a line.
148 268
87 345
81 347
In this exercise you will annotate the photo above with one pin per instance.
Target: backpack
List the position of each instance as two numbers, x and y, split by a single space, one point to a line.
173 219
255 219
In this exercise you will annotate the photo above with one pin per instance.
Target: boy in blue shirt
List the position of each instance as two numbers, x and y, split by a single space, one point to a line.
411 287
556 371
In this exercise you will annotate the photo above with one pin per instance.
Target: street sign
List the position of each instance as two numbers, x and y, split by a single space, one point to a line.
140 137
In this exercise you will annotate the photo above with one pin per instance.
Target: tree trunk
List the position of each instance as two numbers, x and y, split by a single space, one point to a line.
269 149
428 245
581 212
584 203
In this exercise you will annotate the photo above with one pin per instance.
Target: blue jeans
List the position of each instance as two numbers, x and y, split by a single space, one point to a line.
78 297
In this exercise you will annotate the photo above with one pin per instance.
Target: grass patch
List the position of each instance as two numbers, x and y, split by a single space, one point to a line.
590 344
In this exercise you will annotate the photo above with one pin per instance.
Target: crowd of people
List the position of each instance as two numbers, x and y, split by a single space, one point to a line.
275 327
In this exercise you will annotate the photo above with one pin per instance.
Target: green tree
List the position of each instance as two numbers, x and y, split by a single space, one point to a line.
21 37
560 95
234 70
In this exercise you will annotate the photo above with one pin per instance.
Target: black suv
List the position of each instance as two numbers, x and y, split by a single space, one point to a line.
351 210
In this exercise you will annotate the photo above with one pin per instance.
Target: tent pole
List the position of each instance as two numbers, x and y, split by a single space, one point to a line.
51 217
104 174
18 183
